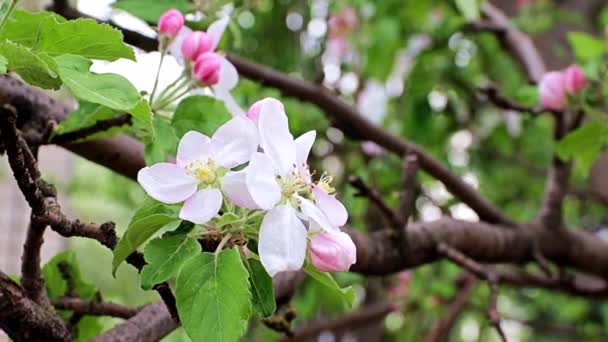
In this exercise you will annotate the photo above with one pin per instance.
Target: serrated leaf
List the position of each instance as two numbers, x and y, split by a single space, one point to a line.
165 256
347 294
37 69
110 90
164 144
3 64
46 32
212 296
148 219
200 113
585 46
149 11
87 115
583 144
261 288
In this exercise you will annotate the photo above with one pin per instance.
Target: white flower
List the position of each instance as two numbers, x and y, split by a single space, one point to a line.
197 175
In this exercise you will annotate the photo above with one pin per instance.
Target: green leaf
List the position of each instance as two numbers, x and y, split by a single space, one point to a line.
36 69
163 145
212 296
200 113
3 64
56 284
51 34
149 11
468 8
585 46
165 256
347 294
261 288
584 144
148 219
87 115
143 119
110 90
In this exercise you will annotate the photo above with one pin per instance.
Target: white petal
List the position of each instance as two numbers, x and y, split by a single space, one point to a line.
167 183
316 216
262 182
216 30
229 77
232 106
275 138
235 189
202 206
282 245
234 142
193 146
333 209
303 145
175 47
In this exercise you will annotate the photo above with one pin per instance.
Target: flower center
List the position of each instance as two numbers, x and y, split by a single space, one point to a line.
325 183
293 184
204 172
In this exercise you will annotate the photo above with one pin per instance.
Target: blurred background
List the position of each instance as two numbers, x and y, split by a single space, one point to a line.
414 67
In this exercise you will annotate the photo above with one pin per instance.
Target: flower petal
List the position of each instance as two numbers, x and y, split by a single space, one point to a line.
234 186
193 146
229 77
234 142
333 209
216 30
202 206
282 245
262 182
175 47
167 183
232 106
275 138
316 216
303 145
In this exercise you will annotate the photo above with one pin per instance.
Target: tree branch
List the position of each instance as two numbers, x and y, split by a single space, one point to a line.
94 308
99 126
31 276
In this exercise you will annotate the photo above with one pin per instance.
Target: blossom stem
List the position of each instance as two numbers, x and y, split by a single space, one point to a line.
172 97
222 244
177 82
160 63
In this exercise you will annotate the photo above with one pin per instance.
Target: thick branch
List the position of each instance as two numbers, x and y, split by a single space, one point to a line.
31 276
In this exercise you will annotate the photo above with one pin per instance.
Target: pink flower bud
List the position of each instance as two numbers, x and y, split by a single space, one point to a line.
196 44
333 252
170 22
254 111
207 68
552 92
574 79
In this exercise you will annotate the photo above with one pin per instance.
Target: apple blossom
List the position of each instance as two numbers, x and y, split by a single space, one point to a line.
207 68
552 92
170 23
332 252
574 79
279 181
196 176
195 44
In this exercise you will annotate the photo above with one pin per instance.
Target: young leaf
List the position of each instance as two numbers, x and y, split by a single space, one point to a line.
87 115
585 46
468 8
165 256
143 121
347 294
584 144
200 113
212 296
3 64
110 90
56 284
163 145
49 33
149 218
149 11
261 288
36 69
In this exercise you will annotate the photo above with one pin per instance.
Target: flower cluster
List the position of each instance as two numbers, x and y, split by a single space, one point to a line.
556 86
276 184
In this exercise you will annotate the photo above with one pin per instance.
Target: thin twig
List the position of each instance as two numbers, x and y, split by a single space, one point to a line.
407 202
94 308
99 126
375 197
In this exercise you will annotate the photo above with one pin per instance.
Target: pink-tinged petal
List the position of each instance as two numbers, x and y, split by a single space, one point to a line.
202 206
229 77
234 187
282 245
167 183
232 106
193 146
175 47
303 145
333 252
275 138
216 30
316 216
262 182
253 113
234 142
333 209
574 79
551 90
